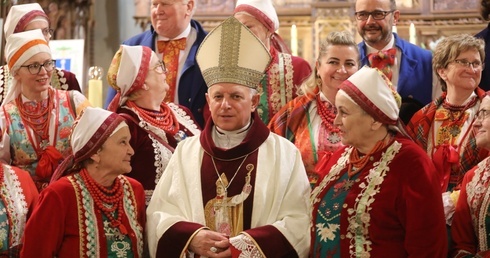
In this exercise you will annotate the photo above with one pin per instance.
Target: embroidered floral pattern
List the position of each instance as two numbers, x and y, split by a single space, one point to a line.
277 87
16 205
247 247
23 154
184 119
479 201
162 154
130 210
328 232
119 244
359 216
87 219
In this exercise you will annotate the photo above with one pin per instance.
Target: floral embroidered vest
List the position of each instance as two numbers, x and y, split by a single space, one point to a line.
90 232
23 154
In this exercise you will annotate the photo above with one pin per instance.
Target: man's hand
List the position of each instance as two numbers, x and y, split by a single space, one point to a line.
210 244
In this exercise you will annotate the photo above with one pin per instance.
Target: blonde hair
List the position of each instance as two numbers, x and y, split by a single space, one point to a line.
334 38
448 49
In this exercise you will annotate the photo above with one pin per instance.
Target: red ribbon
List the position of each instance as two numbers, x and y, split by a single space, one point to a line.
48 161
445 156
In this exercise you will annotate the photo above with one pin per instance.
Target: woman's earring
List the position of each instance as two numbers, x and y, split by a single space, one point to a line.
318 82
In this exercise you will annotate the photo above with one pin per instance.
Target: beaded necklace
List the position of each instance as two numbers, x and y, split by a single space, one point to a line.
38 121
459 110
164 119
108 201
357 163
326 115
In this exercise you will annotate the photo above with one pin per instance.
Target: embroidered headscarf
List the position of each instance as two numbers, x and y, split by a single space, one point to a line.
19 48
373 92
262 10
265 13
127 72
19 16
89 132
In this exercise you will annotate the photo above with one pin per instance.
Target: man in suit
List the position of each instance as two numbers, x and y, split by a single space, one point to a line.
173 23
411 67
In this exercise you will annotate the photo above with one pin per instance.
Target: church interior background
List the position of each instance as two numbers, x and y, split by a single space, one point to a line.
104 24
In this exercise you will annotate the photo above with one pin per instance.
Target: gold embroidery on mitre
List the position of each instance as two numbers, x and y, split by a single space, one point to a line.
232 53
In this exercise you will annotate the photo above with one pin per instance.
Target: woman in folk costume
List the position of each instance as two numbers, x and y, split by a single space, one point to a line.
285 73
93 210
17 200
24 17
443 128
369 202
35 118
156 127
307 121
470 224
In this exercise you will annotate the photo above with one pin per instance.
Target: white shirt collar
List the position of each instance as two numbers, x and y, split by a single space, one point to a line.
229 139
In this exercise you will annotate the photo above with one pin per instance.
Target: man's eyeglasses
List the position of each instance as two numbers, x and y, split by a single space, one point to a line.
467 64
35 68
160 68
377 15
47 32
482 114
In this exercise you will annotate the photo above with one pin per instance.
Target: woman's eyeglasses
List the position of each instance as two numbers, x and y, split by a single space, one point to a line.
160 68
477 65
482 114
47 32
35 68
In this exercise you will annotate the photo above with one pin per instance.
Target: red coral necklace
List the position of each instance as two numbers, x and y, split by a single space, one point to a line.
327 115
358 162
107 200
164 119
37 117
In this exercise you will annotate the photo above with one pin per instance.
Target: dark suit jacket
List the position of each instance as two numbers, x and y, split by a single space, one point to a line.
485 75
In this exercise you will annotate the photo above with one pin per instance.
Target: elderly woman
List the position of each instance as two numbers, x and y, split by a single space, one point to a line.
443 128
35 118
470 228
18 199
156 127
93 211
24 17
369 202
307 121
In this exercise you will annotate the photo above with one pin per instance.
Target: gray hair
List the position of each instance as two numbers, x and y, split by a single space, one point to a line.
449 48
